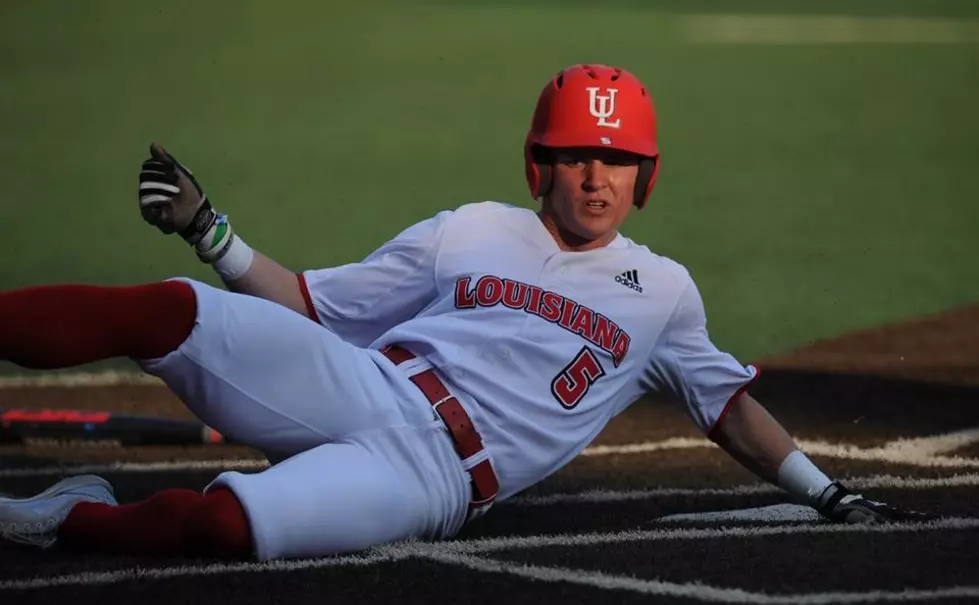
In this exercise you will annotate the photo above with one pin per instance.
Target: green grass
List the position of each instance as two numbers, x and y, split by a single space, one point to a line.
811 189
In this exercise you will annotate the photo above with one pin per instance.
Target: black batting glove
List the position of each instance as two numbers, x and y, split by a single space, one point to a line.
171 199
836 503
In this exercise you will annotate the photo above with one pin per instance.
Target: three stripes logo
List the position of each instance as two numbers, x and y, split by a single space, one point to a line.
630 279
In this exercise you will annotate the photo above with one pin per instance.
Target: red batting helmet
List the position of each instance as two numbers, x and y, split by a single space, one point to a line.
593 106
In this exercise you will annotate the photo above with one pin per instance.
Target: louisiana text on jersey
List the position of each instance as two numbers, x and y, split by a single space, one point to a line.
578 319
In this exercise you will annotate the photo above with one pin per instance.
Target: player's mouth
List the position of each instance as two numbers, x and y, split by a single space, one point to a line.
596 205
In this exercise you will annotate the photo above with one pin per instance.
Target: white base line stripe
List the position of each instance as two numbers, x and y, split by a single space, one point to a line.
458 552
696 591
861 483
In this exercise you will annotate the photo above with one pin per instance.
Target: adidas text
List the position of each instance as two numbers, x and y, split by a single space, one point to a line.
628 283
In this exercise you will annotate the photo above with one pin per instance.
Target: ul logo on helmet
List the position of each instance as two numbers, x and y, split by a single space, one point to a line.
603 106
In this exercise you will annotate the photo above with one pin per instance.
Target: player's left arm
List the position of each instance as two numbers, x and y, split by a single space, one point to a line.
712 385
750 435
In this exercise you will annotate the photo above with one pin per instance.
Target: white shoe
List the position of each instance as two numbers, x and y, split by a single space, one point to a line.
35 520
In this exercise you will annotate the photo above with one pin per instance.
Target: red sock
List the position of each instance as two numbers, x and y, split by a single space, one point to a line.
60 326
151 527
171 522
218 527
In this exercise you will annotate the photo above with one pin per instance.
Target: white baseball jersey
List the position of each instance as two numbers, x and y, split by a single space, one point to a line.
542 346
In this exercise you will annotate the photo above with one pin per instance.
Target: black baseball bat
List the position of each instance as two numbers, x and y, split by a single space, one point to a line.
18 425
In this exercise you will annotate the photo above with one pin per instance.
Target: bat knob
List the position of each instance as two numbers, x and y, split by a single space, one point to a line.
212 437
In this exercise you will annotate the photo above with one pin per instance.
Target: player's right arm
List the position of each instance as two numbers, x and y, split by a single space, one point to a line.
357 301
268 279
172 200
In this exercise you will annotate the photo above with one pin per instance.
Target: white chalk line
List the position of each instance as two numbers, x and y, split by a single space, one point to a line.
377 555
461 553
935 444
697 591
647 447
659 535
825 29
920 452
857 483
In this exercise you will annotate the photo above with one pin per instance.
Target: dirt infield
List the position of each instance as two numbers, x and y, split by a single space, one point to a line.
943 348
894 411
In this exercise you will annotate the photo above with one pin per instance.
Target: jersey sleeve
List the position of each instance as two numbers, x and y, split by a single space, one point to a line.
360 301
686 367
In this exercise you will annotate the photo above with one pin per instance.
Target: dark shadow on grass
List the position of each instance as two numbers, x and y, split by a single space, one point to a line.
869 405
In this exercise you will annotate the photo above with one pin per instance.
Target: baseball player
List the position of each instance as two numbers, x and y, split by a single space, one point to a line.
399 397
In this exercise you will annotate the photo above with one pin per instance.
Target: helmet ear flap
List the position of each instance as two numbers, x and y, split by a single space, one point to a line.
647 170
540 163
544 179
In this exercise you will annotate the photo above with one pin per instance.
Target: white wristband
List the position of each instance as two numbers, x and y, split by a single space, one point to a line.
800 477
236 261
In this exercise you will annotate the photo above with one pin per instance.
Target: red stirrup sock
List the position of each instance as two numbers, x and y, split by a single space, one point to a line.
150 527
171 522
218 527
60 326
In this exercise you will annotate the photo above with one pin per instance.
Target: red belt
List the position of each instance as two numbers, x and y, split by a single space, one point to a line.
467 441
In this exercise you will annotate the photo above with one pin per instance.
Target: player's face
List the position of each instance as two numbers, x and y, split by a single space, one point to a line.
592 194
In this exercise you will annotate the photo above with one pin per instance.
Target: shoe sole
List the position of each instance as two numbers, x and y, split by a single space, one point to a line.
65 485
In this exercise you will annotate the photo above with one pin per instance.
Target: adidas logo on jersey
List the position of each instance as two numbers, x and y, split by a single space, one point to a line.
630 279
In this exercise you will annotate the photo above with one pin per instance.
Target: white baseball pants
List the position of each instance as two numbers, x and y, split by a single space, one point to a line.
359 456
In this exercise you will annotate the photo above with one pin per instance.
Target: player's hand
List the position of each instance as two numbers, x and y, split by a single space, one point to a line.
171 199
837 504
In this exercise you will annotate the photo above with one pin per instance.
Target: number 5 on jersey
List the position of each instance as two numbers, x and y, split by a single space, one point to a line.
571 385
